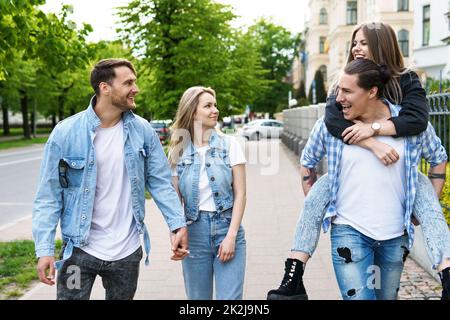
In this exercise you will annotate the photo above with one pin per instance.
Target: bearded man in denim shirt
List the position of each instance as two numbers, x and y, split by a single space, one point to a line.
96 167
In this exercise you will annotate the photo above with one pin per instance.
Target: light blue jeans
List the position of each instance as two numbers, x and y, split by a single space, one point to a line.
426 209
202 268
367 269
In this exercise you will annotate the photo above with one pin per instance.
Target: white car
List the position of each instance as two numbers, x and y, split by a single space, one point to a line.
263 128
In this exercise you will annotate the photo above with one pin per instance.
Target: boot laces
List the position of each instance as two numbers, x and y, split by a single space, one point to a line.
288 276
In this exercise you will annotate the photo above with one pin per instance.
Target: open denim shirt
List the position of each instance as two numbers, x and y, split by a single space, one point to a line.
72 141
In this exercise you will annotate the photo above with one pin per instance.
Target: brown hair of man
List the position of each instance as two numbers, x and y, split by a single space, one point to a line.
104 71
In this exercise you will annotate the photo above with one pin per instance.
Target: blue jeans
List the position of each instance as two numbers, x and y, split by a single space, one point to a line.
202 267
426 209
367 269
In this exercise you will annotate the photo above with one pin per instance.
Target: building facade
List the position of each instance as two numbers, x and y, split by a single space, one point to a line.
331 25
432 30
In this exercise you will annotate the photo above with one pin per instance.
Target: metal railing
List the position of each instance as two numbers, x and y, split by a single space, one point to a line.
440 116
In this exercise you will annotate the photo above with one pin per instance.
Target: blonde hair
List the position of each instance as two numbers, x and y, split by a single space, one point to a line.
384 50
183 126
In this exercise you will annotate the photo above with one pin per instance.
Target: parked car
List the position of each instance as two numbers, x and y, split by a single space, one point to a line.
262 128
162 128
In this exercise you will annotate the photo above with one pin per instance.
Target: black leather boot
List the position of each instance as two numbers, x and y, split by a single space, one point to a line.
445 279
291 287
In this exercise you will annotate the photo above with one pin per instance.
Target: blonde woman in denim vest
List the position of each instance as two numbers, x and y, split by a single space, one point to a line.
208 170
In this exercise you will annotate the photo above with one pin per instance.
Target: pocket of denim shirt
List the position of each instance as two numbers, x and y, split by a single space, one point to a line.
182 166
225 158
75 170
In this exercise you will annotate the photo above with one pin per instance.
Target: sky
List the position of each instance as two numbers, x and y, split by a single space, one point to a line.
100 13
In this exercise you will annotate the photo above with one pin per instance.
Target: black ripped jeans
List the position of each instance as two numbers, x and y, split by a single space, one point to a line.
77 276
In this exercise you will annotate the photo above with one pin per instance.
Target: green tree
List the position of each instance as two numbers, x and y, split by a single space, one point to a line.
321 95
52 46
18 28
186 43
277 48
433 86
300 93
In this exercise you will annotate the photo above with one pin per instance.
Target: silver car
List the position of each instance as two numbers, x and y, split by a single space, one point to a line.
263 128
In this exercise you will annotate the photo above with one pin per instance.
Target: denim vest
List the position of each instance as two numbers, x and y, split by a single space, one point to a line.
218 169
72 204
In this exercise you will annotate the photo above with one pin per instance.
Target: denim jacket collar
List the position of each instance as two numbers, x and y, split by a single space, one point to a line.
94 120
214 142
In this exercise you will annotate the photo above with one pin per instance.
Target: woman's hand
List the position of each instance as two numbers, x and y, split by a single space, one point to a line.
357 132
227 248
385 153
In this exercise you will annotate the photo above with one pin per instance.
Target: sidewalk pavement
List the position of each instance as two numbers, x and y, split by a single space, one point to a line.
273 205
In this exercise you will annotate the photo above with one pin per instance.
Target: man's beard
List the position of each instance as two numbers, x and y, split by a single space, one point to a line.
122 104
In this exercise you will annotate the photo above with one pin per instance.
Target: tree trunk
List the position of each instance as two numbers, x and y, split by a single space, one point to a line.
6 130
32 123
53 120
24 108
61 110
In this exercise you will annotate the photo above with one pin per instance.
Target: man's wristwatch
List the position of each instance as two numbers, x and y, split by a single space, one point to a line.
376 128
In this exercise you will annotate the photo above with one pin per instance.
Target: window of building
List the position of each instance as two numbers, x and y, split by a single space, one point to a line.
426 26
403 42
323 17
352 12
322 44
323 70
403 5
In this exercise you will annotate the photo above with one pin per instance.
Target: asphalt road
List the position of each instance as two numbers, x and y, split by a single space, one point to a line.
19 174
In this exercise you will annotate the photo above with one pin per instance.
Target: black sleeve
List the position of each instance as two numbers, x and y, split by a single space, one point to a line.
413 118
334 119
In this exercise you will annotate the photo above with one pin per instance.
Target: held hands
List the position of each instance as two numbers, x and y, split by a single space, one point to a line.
227 249
46 263
179 241
357 132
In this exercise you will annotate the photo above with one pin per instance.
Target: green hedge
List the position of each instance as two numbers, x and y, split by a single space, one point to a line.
445 196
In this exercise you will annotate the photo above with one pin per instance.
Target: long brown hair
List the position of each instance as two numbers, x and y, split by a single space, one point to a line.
384 50
183 126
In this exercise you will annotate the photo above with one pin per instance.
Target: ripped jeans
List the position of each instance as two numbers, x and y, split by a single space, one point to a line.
426 209
367 269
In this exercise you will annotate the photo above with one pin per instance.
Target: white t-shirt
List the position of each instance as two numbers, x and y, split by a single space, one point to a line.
206 199
371 196
113 234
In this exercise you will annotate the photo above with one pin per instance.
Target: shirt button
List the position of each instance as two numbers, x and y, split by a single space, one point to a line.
212 179
73 164
216 194
83 217
86 190
220 208
208 165
91 163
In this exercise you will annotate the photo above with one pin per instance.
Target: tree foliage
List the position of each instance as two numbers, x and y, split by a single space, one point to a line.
321 94
186 43
44 48
277 49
